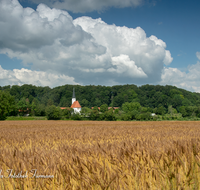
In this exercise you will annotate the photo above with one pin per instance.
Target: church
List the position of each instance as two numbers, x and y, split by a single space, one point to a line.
75 104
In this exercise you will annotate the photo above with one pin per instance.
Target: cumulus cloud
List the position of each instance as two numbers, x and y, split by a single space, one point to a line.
188 80
88 50
89 5
148 54
198 55
38 78
125 65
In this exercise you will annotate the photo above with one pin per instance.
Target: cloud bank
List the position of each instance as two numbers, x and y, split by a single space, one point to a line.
37 78
84 51
188 80
89 5
88 50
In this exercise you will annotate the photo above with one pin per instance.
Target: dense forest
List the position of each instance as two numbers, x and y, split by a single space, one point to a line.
90 96
156 99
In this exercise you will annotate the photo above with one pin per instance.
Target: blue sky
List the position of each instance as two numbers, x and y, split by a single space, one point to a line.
175 22
159 43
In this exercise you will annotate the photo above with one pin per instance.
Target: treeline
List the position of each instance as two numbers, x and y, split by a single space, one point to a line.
169 102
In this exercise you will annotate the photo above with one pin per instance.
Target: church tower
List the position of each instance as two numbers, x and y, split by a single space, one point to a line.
75 104
73 96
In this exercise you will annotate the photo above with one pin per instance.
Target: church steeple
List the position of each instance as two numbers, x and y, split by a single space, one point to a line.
73 96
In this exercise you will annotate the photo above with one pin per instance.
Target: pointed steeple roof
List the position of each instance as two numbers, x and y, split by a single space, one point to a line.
73 96
76 105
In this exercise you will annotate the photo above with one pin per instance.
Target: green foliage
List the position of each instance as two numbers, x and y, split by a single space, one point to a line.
116 111
146 98
66 113
174 92
161 110
171 110
126 107
104 108
109 116
7 105
76 116
53 112
95 108
23 106
85 111
50 102
133 114
84 103
125 117
94 115
16 118
97 102
40 110
182 110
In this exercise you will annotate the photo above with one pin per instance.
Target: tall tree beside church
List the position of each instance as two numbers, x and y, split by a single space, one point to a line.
7 105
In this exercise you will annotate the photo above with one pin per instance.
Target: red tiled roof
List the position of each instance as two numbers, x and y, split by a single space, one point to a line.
62 108
23 110
114 108
93 108
76 105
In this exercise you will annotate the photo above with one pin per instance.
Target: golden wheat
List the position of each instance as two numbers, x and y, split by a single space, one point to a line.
99 155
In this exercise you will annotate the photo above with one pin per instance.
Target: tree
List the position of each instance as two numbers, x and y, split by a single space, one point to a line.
133 114
7 105
183 111
50 102
53 113
33 107
85 111
126 107
104 108
84 103
40 110
161 110
109 115
67 112
95 108
23 106
76 116
171 110
94 115
97 102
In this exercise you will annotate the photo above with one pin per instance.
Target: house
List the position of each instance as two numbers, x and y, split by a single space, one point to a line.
75 104
114 108
63 108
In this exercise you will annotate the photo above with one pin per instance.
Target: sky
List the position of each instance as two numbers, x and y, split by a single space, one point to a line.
107 42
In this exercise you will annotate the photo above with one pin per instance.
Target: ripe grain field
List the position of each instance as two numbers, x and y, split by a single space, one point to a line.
99 155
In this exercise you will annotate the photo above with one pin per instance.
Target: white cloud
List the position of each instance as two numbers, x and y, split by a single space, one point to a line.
89 5
88 50
125 65
149 54
188 80
198 55
38 78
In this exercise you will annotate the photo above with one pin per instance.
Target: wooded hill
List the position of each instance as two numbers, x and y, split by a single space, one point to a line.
89 96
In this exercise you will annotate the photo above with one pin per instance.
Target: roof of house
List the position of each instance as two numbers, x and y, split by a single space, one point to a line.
76 105
114 108
62 108
93 108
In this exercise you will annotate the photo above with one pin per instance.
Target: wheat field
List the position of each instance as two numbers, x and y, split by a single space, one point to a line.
99 155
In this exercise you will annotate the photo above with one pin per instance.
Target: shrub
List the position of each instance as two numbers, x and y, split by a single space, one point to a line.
7 105
53 113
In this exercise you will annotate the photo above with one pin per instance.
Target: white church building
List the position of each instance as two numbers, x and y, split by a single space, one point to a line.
75 104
